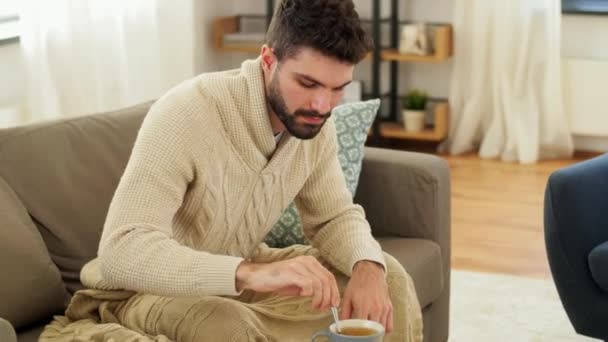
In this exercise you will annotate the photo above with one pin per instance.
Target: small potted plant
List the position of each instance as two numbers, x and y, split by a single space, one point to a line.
414 108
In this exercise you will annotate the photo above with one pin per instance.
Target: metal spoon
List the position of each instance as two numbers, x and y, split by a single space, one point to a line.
334 312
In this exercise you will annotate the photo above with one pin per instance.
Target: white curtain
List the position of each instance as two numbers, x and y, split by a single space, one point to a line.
86 56
506 88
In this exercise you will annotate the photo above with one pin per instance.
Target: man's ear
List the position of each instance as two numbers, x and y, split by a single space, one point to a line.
268 58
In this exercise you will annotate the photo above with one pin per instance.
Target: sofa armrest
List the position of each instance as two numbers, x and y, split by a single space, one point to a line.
406 194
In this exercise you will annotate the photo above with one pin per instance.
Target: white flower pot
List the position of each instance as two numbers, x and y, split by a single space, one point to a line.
413 120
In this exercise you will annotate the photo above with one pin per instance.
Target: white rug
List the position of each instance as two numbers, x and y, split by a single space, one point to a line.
490 307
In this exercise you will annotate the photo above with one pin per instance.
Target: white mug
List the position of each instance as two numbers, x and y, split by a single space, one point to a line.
376 328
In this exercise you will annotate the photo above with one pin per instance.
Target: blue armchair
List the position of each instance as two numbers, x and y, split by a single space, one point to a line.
576 237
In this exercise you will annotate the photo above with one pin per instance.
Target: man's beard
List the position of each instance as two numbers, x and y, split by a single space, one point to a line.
298 130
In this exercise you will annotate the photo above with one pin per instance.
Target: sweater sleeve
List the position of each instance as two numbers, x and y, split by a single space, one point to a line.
330 219
137 250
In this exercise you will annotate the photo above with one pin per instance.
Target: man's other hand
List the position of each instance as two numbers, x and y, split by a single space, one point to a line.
367 295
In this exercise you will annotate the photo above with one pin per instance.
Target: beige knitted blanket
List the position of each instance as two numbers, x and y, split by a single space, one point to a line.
102 314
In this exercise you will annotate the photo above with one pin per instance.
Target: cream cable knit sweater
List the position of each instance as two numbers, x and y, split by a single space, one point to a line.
206 182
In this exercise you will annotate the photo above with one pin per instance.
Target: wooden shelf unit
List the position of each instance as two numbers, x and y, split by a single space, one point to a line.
437 133
442 39
442 48
227 25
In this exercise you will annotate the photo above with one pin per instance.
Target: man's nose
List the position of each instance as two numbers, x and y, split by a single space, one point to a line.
321 104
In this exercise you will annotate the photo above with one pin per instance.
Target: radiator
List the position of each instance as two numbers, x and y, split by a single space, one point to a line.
585 89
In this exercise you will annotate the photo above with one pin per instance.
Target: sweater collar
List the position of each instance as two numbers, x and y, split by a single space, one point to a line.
257 118
255 141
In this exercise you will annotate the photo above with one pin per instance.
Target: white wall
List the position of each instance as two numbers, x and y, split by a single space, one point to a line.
12 84
11 68
205 57
584 37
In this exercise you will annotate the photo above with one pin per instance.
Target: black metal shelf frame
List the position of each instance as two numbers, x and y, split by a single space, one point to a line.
376 63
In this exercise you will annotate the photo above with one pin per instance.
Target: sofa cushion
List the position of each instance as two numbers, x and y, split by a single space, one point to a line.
65 173
31 286
353 121
598 264
422 260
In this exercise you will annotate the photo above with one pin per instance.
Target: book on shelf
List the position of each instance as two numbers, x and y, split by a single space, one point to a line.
248 38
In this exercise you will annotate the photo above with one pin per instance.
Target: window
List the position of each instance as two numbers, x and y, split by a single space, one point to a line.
585 6
9 18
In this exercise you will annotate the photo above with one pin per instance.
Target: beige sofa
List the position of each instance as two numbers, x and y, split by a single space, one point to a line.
57 180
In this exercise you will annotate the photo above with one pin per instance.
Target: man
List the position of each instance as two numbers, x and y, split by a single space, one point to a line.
216 161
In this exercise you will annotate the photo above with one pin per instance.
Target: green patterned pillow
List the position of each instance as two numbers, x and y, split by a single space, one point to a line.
353 121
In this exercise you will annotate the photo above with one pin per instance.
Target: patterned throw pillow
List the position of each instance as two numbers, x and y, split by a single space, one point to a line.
353 121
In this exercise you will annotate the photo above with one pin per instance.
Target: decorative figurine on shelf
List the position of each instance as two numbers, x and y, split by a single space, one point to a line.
414 110
414 39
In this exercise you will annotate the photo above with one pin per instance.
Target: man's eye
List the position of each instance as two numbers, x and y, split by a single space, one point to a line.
308 85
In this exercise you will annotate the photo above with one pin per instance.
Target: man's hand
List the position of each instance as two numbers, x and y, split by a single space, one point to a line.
300 276
367 295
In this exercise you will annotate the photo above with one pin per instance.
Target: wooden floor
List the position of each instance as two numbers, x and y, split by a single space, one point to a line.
497 215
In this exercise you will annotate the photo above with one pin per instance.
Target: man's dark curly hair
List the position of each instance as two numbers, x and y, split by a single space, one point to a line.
331 27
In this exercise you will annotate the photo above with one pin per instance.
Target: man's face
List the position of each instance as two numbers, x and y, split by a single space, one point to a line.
304 89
